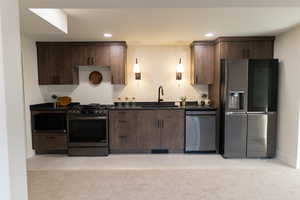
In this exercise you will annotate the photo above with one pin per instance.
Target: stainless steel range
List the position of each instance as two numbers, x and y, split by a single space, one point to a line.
88 130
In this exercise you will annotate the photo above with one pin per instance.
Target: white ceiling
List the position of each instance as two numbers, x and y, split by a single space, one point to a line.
161 21
164 25
154 3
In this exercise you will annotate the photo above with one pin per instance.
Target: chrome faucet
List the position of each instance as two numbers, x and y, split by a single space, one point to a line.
160 91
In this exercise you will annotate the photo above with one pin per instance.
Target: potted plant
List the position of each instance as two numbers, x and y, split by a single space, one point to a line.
183 101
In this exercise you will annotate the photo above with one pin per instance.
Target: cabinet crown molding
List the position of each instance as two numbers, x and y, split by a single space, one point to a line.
232 39
86 43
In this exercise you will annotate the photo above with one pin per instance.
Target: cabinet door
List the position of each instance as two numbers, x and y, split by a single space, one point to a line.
118 64
96 55
235 50
148 130
202 64
65 63
172 130
102 55
56 66
261 49
80 55
122 131
49 142
47 71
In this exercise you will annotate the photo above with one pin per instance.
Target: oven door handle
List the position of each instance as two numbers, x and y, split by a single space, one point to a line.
87 118
50 131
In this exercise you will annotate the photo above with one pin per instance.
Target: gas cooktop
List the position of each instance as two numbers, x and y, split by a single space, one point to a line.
90 109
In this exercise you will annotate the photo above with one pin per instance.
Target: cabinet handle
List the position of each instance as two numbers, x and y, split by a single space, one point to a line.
123 136
88 61
93 60
196 78
112 78
123 121
158 123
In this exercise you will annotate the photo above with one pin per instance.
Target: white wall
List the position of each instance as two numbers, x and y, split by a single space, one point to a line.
287 49
4 162
32 90
12 137
158 67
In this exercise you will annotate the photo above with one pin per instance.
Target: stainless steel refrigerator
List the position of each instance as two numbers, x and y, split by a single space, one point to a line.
248 108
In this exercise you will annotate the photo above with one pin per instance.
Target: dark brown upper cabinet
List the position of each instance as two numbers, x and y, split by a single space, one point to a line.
118 59
58 61
235 50
97 55
246 47
202 62
56 65
238 48
262 49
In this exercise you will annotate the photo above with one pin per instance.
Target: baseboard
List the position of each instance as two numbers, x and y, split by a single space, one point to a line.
30 153
287 159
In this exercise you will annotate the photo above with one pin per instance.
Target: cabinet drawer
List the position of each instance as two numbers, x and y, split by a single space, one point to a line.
46 143
122 131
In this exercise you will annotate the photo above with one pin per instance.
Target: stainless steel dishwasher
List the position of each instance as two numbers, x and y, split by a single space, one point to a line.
200 131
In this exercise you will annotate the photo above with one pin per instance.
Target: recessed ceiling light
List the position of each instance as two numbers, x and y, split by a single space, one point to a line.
209 34
108 35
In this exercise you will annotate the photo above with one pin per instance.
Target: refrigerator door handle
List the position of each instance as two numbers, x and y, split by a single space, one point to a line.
235 113
256 113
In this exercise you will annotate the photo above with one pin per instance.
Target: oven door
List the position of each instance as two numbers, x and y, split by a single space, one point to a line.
87 131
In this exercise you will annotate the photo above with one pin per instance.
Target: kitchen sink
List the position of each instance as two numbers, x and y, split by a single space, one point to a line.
156 104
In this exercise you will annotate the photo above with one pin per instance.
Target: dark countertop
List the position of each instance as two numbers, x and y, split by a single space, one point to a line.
188 108
145 108
50 107
190 105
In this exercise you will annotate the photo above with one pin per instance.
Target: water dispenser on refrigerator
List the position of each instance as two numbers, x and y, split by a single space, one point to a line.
236 100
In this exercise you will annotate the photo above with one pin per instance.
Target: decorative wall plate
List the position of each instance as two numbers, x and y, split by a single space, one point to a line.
95 78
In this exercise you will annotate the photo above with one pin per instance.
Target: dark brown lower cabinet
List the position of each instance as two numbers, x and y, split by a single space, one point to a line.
172 130
141 131
49 143
148 130
122 131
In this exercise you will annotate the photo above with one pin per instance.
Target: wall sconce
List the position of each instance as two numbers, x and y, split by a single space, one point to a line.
179 70
137 70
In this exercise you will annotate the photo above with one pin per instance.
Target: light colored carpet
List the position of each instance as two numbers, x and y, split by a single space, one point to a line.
160 177
148 161
201 184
